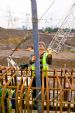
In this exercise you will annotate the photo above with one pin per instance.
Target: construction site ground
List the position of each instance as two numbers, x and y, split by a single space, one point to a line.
61 59
10 38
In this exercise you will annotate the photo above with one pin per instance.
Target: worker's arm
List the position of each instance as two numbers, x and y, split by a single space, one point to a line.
49 59
32 59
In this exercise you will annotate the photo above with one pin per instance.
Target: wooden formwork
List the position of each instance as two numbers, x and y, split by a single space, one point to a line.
16 89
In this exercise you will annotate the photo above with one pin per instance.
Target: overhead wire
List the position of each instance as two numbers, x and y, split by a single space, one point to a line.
46 10
39 20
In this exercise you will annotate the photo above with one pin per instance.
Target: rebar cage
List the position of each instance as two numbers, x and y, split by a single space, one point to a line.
56 94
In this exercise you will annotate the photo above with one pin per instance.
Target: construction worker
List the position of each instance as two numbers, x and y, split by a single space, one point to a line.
45 61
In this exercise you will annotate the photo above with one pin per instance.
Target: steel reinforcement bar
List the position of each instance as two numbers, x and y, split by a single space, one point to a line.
57 91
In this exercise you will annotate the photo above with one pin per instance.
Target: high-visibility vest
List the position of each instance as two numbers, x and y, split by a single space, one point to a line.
45 65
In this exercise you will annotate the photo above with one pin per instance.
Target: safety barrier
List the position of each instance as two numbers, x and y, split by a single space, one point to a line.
57 93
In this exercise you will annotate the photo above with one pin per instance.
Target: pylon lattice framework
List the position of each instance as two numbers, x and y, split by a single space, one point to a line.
61 36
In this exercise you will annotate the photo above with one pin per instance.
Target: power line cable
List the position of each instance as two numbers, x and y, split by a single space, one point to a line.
46 10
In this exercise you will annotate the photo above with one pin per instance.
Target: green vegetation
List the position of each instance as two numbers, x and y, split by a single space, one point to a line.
49 29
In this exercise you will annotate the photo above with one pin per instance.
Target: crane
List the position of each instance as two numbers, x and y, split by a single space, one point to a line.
62 35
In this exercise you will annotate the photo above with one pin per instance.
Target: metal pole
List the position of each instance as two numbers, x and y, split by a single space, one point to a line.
36 51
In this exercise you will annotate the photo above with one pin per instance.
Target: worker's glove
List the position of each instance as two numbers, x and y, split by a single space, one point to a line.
49 50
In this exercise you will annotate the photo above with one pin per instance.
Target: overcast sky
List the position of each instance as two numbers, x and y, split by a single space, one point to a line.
20 12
